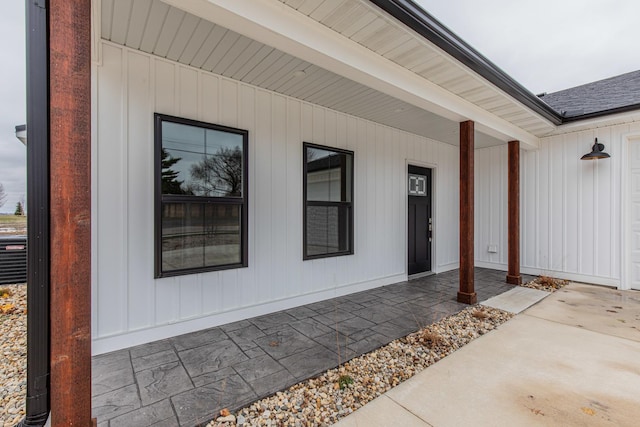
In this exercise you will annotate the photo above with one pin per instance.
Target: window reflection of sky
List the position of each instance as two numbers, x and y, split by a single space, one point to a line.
192 144
324 175
316 153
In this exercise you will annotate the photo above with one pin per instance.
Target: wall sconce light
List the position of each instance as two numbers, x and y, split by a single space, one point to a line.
597 152
21 133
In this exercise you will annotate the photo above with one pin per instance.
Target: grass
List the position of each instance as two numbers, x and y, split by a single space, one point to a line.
344 381
13 219
17 224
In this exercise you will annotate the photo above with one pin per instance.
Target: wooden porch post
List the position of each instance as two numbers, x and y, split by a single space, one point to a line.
467 293
513 186
70 217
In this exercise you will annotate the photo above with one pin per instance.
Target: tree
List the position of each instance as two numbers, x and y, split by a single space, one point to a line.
218 175
19 209
3 195
170 182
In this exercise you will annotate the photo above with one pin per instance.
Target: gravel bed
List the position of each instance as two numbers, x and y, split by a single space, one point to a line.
13 347
546 283
324 400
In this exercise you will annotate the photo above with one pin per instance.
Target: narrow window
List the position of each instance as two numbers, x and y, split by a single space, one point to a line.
200 196
328 201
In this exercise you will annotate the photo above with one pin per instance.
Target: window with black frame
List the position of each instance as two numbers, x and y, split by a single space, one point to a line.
328 201
201 196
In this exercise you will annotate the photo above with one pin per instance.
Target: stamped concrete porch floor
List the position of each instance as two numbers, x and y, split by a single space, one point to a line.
186 380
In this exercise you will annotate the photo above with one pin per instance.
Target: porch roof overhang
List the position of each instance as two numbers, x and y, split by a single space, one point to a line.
357 58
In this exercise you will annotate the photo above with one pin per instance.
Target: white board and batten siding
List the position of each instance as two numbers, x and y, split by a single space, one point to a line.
631 217
131 307
571 219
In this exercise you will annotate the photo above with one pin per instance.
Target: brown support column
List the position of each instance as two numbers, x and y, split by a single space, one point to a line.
513 185
70 217
467 293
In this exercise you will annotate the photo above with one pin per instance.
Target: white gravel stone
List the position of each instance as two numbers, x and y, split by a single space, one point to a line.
320 401
546 283
13 348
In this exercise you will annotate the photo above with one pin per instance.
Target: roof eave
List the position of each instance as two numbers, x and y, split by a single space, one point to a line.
595 114
411 15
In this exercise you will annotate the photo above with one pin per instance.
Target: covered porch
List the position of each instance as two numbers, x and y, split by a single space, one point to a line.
384 87
187 379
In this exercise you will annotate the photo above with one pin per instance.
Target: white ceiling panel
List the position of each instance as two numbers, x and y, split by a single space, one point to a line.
367 18
155 22
239 46
326 9
169 31
139 12
294 3
307 7
106 18
120 17
213 38
222 48
251 63
195 43
345 11
373 29
184 34
155 27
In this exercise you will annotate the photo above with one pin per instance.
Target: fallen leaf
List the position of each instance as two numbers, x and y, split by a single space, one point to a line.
225 412
588 411
7 308
274 344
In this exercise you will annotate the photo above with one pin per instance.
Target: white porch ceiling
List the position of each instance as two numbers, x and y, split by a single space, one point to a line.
166 31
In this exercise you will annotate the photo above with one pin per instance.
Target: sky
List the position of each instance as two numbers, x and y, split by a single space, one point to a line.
546 45
13 109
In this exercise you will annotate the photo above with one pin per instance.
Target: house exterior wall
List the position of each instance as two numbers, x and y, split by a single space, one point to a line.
131 307
571 210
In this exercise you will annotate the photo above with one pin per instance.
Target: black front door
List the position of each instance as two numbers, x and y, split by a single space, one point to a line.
420 220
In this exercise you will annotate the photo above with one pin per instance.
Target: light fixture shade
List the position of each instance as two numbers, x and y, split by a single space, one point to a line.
597 152
21 133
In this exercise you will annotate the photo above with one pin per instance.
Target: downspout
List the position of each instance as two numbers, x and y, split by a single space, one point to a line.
38 368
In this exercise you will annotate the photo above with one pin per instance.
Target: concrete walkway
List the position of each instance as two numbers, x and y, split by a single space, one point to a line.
571 360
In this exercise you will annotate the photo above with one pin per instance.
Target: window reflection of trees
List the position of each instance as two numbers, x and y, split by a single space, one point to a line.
218 175
170 182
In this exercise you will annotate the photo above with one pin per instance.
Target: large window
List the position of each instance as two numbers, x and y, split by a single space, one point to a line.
201 196
328 201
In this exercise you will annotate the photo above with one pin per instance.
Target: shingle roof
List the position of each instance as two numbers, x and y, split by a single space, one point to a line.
604 95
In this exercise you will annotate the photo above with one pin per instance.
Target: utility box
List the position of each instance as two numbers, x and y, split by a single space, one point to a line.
13 259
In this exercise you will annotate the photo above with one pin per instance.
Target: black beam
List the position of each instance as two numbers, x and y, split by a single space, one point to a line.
37 401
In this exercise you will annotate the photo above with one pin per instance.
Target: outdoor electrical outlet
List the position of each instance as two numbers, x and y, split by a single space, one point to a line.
492 249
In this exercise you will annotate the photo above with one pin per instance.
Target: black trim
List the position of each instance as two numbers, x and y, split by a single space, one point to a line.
38 344
413 16
609 112
305 203
160 199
